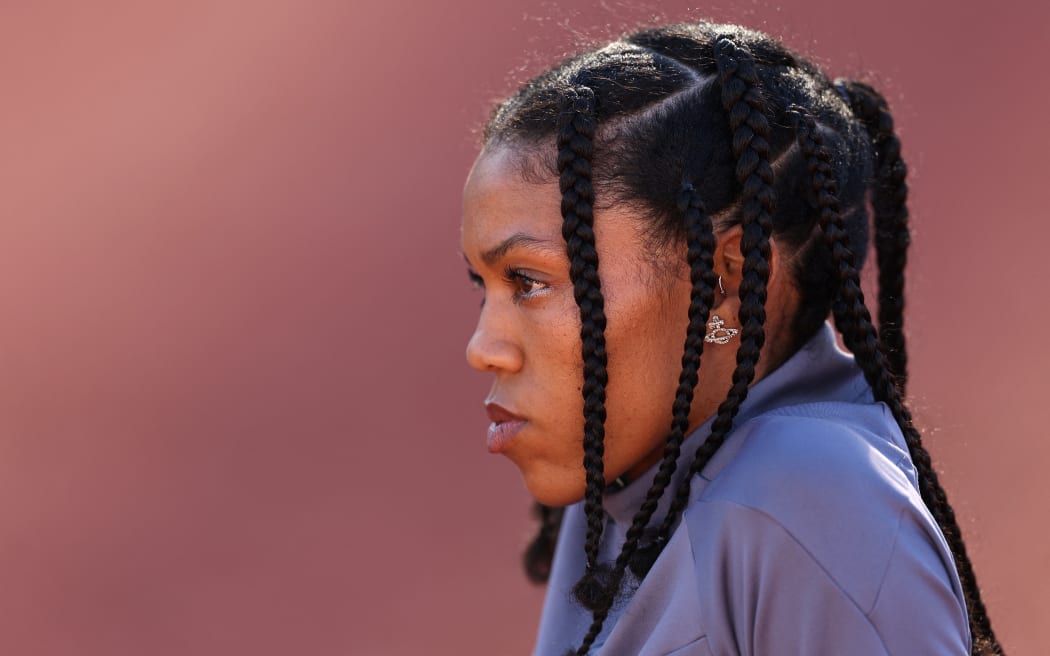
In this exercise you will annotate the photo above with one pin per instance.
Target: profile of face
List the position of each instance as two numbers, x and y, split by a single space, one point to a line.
528 331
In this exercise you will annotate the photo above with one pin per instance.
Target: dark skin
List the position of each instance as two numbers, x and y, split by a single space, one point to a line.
528 334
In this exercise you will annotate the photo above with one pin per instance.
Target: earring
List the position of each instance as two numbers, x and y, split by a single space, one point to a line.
717 333
720 287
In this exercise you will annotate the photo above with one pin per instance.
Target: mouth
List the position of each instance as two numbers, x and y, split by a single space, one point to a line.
504 427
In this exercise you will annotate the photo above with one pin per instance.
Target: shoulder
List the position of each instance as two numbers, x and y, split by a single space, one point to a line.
832 480
842 454
812 519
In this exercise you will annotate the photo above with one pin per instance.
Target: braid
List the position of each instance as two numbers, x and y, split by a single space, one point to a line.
889 200
700 255
540 553
576 128
854 322
750 130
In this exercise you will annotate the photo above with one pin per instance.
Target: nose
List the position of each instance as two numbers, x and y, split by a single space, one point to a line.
491 347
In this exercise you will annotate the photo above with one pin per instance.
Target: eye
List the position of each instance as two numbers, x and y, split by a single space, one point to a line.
524 285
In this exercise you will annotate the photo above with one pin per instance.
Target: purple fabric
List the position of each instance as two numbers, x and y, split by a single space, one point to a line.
805 534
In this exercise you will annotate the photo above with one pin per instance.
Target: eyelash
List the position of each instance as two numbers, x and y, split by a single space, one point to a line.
514 277
519 279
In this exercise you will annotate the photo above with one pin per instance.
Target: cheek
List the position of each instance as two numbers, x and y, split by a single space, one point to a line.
554 370
645 352
552 341
551 458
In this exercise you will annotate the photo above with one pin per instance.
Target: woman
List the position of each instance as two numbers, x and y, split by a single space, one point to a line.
701 181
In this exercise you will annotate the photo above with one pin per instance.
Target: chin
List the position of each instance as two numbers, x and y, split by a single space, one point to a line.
554 489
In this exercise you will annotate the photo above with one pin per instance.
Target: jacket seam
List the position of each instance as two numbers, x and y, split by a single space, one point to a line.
889 561
773 521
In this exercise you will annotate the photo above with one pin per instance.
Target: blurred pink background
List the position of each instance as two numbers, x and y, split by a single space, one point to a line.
235 412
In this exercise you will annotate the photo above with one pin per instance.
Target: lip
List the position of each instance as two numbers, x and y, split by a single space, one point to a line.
504 427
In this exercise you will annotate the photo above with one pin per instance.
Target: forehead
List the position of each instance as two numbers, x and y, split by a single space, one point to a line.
498 200
504 197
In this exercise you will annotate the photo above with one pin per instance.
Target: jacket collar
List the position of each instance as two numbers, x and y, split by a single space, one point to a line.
817 372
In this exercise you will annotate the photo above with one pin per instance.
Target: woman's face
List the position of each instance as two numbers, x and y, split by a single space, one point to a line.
528 332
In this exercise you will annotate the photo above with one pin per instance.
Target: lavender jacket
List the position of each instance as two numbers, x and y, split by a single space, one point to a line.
805 534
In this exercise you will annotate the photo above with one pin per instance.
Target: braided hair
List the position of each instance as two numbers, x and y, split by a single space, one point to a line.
706 127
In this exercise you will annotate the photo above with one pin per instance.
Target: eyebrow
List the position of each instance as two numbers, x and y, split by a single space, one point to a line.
518 240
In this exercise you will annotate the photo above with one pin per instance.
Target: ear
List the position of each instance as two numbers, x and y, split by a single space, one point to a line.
729 264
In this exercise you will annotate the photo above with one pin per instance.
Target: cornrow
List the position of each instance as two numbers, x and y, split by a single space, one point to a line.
701 244
889 201
575 148
854 322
